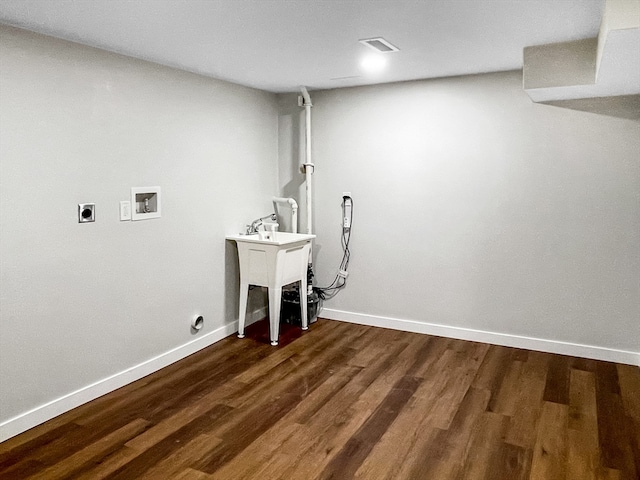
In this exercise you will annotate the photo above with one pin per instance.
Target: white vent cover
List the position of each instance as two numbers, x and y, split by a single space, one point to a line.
379 44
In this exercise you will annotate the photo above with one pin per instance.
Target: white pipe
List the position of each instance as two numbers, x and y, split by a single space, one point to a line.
308 166
308 170
305 95
294 210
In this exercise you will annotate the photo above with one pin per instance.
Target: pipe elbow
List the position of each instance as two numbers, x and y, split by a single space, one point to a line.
306 97
291 201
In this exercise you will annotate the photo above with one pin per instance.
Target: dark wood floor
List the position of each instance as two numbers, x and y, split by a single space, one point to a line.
346 401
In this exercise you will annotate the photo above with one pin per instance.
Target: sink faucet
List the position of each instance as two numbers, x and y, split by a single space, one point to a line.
253 228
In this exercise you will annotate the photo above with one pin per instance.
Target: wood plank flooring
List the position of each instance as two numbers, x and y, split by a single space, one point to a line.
345 401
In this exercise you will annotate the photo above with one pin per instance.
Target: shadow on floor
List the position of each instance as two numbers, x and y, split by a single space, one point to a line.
259 331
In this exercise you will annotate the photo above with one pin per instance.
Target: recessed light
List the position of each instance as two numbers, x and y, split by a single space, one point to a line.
373 63
379 44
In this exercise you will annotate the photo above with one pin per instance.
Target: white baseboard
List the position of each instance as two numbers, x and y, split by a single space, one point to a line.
507 340
41 414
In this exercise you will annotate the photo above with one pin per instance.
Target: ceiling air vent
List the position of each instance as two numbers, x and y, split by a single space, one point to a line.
379 44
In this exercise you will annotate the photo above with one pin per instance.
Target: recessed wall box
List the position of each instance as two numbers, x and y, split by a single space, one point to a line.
145 203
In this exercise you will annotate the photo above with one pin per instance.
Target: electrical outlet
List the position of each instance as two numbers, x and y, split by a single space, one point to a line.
86 212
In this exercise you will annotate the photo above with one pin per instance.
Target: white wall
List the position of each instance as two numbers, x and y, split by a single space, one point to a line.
476 209
81 302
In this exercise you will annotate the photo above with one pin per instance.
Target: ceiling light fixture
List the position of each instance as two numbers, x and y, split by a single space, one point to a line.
379 44
376 62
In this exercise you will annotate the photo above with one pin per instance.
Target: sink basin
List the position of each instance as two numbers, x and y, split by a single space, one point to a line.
277 238
273 262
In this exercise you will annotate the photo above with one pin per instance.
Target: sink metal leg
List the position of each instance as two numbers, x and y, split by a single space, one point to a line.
244 293
275 297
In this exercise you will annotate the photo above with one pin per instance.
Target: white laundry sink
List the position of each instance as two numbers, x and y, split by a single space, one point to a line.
275 238
273 262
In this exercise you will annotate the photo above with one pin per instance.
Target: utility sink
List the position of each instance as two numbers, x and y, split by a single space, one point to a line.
274 238
273 262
